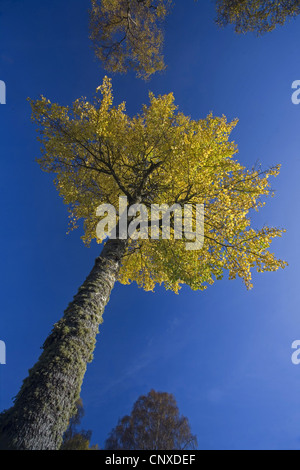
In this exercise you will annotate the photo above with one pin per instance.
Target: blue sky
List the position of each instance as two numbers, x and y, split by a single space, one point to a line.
224 353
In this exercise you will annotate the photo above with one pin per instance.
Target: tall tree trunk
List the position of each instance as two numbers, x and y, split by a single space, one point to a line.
46 401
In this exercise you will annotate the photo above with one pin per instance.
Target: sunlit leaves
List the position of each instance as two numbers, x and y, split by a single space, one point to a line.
99 153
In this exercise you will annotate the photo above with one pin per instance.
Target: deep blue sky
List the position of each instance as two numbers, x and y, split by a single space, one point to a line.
225 353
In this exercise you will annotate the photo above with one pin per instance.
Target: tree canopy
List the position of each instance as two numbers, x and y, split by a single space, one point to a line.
128 34
259 16
99 153
154 424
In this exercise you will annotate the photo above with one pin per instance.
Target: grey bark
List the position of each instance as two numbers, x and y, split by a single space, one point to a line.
46 401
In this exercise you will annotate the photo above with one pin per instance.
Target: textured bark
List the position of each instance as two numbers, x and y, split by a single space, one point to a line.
46 401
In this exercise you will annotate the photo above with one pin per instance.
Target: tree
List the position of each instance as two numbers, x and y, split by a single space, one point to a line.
73 438
98 153
259 16
154 424
128 34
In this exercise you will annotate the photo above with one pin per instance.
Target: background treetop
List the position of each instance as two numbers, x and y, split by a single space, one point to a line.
154 424
259 16
128 34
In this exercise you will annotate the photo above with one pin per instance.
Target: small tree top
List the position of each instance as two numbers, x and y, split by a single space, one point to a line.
154 424
259 16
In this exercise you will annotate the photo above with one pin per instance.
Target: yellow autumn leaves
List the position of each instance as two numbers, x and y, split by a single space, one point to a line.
99 153
127 34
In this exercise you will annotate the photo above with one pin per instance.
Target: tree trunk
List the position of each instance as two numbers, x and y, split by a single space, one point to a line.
46 401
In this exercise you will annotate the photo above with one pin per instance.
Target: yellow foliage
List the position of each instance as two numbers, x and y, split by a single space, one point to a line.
128 34
99 153
259 16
